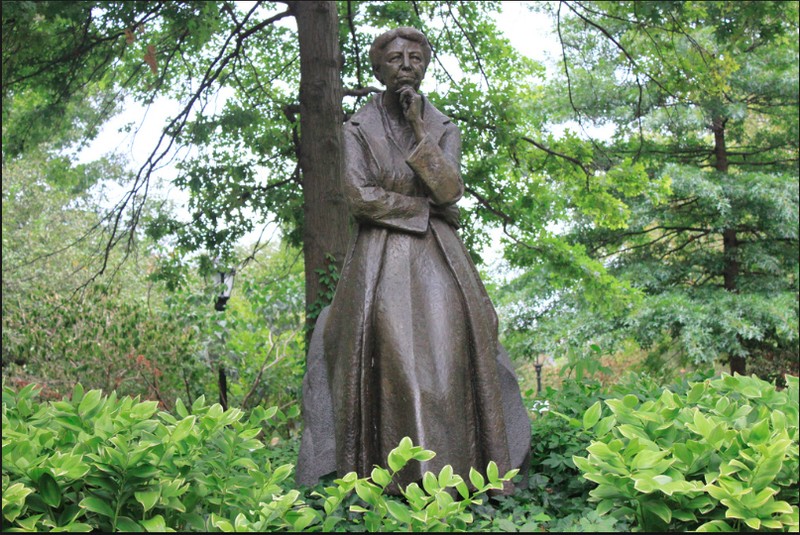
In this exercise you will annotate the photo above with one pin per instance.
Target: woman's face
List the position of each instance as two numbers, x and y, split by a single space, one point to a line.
402 64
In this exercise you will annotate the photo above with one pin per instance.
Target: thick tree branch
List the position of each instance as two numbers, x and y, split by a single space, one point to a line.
361 91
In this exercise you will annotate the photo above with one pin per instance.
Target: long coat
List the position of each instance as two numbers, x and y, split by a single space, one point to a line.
409 344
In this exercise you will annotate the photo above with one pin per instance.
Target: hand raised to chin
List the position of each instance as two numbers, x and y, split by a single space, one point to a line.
411 104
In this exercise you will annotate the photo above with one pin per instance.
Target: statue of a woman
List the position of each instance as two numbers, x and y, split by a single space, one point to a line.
409 344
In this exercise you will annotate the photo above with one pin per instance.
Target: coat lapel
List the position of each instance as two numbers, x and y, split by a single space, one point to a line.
370 126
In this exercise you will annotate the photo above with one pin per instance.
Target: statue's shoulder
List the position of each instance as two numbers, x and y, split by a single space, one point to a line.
367 114
432 114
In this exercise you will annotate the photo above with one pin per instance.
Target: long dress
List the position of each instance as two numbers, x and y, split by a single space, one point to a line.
409 344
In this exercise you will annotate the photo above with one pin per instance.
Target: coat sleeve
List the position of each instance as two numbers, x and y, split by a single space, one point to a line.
371 203
438 165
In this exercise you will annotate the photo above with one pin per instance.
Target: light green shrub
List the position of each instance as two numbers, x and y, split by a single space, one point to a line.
722 456
96 462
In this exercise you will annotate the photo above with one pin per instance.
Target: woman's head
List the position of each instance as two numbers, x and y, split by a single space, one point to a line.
376 51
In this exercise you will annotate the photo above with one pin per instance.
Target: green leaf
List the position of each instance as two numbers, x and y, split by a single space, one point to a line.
180 408
630 401
592 415
648 459
424 455
129 525
49 489
281 473
696 392
405 446
27 524
183 428
147 498
155 524
429 483
766 470
381 476
96 505
396 461
367 492
77 393
445 476
645 485
759 433
715 526
221 523
492 473
144 471
753 522
399 511
476 478
89 402
73 423
604 426
507 525
660 509
144 410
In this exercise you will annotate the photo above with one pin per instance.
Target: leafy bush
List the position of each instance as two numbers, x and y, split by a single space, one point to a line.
97 462
105 339
555 496
430 507
722 455
555 479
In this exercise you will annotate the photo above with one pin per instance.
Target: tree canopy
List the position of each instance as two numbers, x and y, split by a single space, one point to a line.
696 203
678 231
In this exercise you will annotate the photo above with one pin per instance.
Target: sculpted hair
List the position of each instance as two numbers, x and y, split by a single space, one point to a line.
412 34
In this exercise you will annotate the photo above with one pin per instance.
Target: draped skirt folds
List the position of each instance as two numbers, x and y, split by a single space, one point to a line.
409 348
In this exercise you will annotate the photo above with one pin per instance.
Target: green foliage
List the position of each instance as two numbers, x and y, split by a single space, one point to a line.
720 456
109 463
259 338
433 506
554 442
103 339
553 496
96 462
113 334
151 330
328 278
688 200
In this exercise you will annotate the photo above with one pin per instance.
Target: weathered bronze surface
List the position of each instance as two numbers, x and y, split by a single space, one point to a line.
409 345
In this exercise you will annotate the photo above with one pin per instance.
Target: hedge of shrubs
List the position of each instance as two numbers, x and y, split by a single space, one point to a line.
708 455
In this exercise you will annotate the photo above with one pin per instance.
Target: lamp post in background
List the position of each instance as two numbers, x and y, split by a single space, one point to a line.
537 365
225 280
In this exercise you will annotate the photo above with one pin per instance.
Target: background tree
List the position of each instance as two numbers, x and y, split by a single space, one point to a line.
252 159
702 101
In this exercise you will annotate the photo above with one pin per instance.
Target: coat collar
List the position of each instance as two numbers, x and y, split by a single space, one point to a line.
368 120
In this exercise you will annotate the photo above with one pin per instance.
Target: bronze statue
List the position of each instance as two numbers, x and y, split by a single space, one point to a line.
409 345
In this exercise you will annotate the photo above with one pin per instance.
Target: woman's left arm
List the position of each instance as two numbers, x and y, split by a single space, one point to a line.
436 161
437 164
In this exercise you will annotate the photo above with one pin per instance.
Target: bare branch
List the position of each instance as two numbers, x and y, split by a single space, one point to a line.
471 45
356 47
570 159
138 192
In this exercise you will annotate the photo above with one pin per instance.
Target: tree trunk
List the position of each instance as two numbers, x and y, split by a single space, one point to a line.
325 224
730 242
